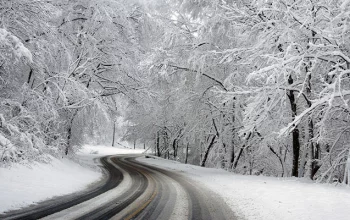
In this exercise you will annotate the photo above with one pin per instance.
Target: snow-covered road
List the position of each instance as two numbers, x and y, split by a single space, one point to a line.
148 192
249 197
142 192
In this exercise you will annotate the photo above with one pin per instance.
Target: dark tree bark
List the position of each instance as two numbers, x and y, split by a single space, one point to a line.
206 153
30 75
235 163
232 156
314 147
157 145
186 155
69 132
279 158
69 136
314 151
175 148
295 132
232 153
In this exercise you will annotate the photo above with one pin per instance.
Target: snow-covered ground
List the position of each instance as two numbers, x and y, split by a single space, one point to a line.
257 197
23 185
251 197
106 150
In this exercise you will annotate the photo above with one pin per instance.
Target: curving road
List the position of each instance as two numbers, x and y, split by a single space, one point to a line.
133 190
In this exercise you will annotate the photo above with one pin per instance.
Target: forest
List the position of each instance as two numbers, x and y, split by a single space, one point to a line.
257 87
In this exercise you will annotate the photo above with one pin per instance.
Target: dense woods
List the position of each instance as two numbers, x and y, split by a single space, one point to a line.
254 87
62 63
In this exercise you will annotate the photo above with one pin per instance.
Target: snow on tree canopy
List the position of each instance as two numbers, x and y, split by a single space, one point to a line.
17 47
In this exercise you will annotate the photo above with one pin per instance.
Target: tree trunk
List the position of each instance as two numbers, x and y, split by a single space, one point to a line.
314 148
30 75
134 144
232 153
69 132
232 156
296 148
235 163
314 152
346 179
206 153
295 132
232 159
155 149
186 155
279 158
69 135
113 134
157 145
223 157
175 148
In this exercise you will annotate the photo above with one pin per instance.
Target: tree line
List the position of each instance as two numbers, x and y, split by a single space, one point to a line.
62 65
256 87
251 86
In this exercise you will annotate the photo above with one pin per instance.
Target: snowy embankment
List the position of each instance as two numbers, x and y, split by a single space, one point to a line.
24 185
258 197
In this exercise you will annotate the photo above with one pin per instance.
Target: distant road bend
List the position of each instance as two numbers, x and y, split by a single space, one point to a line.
133 190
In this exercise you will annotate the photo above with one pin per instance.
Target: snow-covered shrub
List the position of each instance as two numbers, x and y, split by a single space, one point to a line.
13 46
8 151
94 152
25 131
15 140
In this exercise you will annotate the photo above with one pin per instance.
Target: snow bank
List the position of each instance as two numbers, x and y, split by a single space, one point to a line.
256 197
21 185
